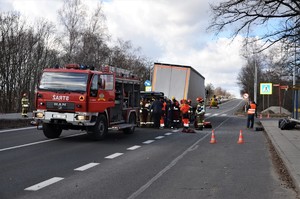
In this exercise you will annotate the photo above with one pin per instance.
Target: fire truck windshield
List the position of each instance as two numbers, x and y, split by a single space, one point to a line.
64 81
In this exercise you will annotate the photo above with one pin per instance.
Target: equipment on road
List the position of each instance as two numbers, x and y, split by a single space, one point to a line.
214 102
213 139
287 123
241 139
79 97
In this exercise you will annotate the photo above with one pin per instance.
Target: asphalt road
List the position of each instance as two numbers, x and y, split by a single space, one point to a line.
147 164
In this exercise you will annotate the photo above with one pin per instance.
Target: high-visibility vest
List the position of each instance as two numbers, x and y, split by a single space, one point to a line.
251 110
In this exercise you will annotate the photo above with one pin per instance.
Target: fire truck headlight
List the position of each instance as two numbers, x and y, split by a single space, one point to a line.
82 117
39 115
42 103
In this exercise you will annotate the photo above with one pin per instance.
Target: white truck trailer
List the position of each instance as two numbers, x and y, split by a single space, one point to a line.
182 82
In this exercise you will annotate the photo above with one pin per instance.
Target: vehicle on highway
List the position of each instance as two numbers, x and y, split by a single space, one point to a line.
179 81
77 97
147 97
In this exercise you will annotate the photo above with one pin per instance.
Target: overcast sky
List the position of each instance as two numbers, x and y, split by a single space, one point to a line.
168 31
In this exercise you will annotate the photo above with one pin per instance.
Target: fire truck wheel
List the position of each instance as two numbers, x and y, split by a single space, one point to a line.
99 131
51 131
132 121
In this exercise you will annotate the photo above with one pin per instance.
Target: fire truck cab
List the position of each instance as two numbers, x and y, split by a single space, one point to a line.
84 99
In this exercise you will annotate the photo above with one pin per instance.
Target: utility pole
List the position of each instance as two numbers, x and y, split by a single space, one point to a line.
255 81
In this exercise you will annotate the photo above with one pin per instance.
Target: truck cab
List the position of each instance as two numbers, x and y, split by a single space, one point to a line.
75 97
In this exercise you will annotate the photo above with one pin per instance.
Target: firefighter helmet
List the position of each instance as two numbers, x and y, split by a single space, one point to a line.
199 99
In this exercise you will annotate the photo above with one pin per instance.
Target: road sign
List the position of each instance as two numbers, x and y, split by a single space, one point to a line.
246 95
266 88
147 83
148 88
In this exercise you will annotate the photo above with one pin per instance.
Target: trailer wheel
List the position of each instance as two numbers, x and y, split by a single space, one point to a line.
99 131
132 121
51 131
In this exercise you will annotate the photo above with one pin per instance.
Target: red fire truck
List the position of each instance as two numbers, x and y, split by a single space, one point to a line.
74 97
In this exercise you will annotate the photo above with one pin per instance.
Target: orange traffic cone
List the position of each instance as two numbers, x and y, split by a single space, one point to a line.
213 139
241 140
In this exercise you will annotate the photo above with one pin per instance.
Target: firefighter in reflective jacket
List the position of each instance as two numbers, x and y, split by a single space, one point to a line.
251 112
25 105
143 112
185 114
175 113
200 111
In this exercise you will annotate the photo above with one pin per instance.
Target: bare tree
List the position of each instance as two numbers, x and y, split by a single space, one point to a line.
72 18
281 17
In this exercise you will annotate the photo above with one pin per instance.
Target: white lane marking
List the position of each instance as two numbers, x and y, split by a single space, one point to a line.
215 114
44 184
159 137
87 166
168 167
224 115
175 131
148 142
168 133
112 156
133 147
40 142
18 129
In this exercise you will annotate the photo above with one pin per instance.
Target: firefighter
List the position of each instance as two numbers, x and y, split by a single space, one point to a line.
156 109
191 111
25 105
175 113
144 113
164 114
200 111
251 109
185 115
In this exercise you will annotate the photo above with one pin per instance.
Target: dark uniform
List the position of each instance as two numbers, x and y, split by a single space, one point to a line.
156 108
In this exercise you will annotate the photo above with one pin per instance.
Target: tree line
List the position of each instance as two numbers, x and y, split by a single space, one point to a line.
275 53
80 37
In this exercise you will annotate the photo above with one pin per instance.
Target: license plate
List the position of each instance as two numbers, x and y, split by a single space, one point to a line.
59 116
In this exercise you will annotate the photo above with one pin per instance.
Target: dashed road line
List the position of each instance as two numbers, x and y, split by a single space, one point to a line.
112 156
44 184
40 142
148 142
133 147
53 180
18 129
87 166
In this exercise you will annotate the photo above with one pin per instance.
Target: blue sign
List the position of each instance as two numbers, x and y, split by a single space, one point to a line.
147 83
266 88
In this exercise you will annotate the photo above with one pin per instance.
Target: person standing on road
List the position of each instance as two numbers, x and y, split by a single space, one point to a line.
25 105
200 112
156 108
251 113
